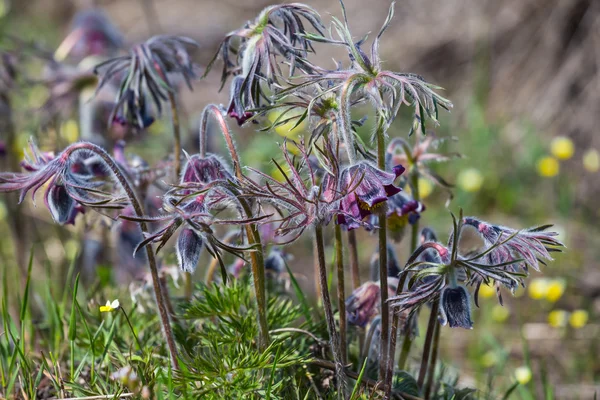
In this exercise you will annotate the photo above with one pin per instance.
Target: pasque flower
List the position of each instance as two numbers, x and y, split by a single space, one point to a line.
93 34
444 275
363 304
401 210
145 84
277 32
303 199
370 188
66 187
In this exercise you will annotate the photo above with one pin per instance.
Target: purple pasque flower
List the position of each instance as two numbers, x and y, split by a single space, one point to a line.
532 245
64 187
302 199
145 83
455 307
187 210
92 33
402 210
255 51
364 302
204 170
367 188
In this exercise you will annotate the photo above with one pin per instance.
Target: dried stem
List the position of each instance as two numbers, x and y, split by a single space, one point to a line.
139 211
256 255
333 334
339 258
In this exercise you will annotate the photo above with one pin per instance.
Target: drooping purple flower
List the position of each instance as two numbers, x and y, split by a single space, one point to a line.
236 108
92 34
363 304
276 260
69 182
532 245
60 204
144 75
368 187
455 307
205 170
402 210
189 248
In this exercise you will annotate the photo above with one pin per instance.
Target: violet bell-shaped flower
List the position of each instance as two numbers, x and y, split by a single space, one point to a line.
455 307
370 188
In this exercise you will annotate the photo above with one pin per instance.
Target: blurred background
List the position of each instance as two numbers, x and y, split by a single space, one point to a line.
524 77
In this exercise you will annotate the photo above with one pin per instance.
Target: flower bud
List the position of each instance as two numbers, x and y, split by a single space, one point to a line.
189 247
60 204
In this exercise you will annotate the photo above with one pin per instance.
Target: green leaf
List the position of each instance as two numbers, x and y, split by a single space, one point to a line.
404 382
73 318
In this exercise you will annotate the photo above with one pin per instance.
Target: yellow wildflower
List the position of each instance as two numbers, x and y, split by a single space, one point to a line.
562 147
555 290
548 167
489 359
486 291
499 313
538 288
425 187
578 319
557 318
70 131
523 374
591 160
110 306
470 180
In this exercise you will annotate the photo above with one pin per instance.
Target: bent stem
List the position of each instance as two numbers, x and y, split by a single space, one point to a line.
339 258
139 211
333 334
385 323
256 254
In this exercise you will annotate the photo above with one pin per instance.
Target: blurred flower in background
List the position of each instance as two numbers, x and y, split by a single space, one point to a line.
562 147
470 180
523 374
558 318
548 167
591 160
578 318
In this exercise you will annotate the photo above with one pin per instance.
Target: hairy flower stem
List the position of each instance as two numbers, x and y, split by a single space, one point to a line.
389 374
414 243
432 362
383 273
428 341
139 211
355 273
256 255
333 334
339 259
